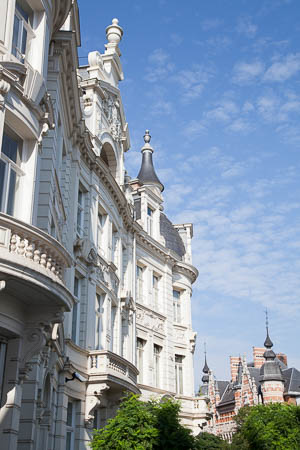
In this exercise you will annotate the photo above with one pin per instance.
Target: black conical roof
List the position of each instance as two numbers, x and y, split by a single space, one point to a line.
147 173
268 343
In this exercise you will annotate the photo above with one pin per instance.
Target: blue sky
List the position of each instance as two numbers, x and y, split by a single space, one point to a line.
217 84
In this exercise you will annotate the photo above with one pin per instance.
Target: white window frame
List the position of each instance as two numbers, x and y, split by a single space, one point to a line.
156 365
140 346
75 332
70 426
177 313
101 218
139 284
150 213
179 374
23 25
9 167
155 290
99 313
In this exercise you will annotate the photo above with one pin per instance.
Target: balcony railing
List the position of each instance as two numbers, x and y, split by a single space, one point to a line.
26 245
104 362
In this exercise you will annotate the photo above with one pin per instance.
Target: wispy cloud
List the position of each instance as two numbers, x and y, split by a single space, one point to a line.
160 66
245 72
283 69
211 24
247 27
193 80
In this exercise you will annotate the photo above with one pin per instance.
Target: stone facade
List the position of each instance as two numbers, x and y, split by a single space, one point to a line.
95 281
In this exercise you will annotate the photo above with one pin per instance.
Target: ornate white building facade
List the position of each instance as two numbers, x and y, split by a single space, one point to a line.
95 281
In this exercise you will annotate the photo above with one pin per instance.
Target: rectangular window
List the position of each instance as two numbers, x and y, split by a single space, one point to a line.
10 172
150 221
22 31
113 341
140 344
80 212
176 306
70 426
139 284
114 248
3 346
155 291
179 374
100 232
76 310
99 310
156 365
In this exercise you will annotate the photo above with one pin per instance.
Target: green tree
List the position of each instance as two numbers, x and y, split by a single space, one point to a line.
133 427
144 425
209 441
268 427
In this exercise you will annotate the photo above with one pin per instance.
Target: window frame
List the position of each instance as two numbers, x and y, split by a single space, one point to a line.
140 358
99 314
75 331
179 367
139 284
80 211
70 427
24 24
155 289
177 306
9 167
157 349
150 222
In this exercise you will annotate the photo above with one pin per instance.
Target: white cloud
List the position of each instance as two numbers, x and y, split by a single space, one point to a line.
159 66
244 72
192 81
283 70
161 107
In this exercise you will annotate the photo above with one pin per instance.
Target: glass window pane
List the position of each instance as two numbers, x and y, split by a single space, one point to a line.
2 177
11 192
68 443
24 41
15 36
10 147
70 414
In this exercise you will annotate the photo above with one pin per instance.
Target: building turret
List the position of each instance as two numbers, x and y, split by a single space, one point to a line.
147 173
271 378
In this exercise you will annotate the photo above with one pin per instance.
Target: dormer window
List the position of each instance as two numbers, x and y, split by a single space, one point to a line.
22 32
150 213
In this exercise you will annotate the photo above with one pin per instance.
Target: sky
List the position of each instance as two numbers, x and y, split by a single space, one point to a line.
217 84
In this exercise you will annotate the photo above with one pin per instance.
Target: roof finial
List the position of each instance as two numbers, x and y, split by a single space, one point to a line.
147 137
205 368
268 343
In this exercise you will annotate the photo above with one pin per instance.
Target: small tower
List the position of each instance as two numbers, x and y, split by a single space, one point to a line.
205 378
147 173
271 379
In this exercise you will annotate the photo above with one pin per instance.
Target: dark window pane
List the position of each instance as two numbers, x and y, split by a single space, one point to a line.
11 193
15 36
24 40
10 147
2 176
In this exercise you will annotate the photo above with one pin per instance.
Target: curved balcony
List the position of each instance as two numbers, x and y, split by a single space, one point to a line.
32 264
107 367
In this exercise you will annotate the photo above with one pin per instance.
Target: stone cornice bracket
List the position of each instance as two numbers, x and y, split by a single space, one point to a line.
93 401
34 340
47 121
4 89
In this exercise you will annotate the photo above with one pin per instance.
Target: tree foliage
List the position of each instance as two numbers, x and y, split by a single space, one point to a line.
268 427
209 441
144 425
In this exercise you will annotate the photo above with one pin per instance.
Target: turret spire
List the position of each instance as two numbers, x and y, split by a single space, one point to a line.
205 369
147 173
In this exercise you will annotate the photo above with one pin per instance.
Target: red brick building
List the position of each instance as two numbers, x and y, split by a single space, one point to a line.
264 380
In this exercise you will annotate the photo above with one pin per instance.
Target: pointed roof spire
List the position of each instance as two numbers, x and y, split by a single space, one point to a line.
205 369
147 173
268 343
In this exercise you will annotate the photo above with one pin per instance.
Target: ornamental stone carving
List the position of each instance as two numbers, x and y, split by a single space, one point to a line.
150 320
93 401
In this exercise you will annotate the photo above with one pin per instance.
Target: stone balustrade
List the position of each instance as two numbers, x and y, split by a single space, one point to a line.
102 362
26 245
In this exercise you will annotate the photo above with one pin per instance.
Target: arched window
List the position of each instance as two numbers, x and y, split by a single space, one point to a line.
108 157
